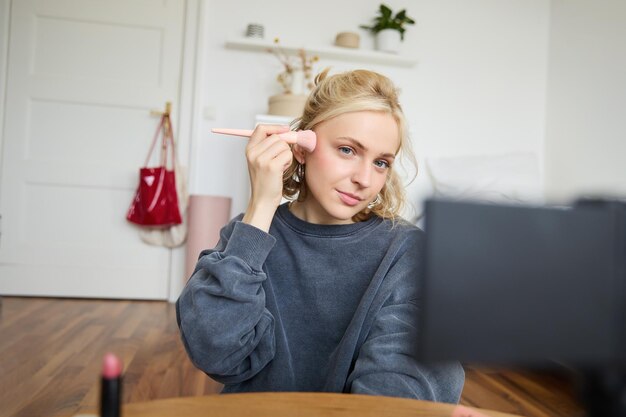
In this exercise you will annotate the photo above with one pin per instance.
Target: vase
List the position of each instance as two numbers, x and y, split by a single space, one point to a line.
297 82
388 40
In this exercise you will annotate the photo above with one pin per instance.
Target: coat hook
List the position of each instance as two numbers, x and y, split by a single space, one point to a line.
168 110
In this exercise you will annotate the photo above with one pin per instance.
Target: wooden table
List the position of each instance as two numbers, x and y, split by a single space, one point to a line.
301 405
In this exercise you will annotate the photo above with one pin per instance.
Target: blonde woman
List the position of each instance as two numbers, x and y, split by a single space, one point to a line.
320 293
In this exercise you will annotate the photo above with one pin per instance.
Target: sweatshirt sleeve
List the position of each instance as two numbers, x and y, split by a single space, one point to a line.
225 328
386 362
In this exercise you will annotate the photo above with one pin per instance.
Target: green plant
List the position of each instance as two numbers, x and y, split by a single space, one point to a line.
386 20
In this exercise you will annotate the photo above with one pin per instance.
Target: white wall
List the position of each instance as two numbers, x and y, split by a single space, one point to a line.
4 48
478 88
586 114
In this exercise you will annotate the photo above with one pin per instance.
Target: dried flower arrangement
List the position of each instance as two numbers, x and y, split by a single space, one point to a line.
292 64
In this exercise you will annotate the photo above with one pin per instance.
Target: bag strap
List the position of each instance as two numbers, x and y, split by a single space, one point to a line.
168 136
156 135
165 126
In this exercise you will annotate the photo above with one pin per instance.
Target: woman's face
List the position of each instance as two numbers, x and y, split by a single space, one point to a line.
349 165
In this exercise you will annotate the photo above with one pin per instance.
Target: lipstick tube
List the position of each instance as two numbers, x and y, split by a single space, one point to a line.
111 386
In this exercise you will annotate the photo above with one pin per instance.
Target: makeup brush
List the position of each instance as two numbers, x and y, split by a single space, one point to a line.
304 138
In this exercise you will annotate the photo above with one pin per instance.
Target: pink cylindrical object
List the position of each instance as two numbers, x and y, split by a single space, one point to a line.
304 138
111 366
207 215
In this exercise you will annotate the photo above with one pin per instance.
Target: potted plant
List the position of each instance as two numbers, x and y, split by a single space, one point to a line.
296 81
389 29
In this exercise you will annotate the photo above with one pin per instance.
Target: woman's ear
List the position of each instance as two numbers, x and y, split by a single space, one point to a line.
298 153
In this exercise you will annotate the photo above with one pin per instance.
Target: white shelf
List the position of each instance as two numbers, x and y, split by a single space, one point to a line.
331 52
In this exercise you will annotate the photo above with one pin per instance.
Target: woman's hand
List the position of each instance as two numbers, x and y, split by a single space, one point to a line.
268 157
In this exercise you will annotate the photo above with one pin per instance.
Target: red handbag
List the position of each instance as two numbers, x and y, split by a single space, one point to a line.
156 201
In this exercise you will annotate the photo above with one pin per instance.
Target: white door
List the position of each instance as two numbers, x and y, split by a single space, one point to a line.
82 78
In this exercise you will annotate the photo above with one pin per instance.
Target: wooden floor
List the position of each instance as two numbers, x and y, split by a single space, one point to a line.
51 352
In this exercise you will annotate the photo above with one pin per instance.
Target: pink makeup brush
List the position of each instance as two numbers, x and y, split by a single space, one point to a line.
304 138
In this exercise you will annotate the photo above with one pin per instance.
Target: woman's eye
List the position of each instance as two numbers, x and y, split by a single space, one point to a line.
345 150
382 164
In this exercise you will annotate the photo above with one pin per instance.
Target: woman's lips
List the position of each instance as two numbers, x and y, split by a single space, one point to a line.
348 199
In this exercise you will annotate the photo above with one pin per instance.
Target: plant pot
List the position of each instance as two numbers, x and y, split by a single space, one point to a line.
287 104
388 40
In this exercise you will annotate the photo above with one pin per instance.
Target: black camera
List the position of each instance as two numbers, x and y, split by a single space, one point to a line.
532 286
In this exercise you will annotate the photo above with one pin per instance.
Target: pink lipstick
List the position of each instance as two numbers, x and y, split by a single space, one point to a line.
111 386
304 138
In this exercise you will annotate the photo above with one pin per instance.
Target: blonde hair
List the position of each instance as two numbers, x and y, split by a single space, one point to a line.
352 91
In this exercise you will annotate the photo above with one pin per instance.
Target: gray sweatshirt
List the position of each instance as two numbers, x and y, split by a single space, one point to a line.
310 307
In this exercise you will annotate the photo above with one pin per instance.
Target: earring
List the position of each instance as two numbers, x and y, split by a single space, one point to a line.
300 172
375 202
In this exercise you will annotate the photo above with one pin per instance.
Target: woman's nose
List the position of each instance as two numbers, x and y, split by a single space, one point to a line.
363 174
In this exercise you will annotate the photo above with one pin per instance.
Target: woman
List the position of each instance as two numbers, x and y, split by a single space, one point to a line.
321 293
